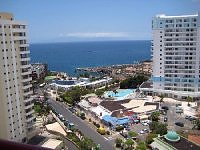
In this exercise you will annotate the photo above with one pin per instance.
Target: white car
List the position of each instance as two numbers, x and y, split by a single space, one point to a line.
145 124
142 132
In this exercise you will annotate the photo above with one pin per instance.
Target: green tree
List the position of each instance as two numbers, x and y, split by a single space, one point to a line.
158 128
133 82
87 144
155 116
189 99
150 137
132 134
99 92
118 142
197 124
115 91
162 98
129 143
141 146
37 108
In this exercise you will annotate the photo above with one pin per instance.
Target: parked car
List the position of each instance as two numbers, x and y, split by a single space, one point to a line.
165 119
72 109
187 117
191 118
142 132
165 107
180 124
179 110
146 130
136 121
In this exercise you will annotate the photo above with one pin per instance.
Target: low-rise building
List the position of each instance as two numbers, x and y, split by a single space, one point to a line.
38 70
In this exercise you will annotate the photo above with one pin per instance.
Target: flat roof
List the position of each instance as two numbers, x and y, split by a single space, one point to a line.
183 144
52 143
181 16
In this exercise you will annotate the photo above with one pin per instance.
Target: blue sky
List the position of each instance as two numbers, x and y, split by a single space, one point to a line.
86 20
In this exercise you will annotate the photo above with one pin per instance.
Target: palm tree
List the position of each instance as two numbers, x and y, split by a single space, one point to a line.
115 91
189 99
161 98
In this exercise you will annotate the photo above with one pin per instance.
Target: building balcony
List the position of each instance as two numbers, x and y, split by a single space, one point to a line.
25 52
27 86
27 79
25 66
28 93
30 112
29 106
28 99
30 119
16 38
18 30
26 73
23 45
25 59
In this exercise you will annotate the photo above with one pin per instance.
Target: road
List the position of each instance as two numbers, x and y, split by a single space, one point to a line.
176 117
80 124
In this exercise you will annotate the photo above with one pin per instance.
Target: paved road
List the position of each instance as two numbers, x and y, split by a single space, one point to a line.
175 117
84 128
70 145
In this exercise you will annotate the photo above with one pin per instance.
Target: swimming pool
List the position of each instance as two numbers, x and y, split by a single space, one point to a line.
120 94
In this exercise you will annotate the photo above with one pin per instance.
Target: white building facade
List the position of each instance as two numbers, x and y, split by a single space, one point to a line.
176 55
16 105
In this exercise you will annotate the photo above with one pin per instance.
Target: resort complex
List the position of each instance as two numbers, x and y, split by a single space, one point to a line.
150 103
175 51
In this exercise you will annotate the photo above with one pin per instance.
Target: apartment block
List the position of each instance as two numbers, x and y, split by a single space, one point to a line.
16 105
176 55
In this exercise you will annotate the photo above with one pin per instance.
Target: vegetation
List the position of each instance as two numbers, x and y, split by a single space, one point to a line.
155 116
118 142
83 143
99 92
119 128
132 134
141 146
82 116
158 128
129 143
74 95
161 98
197 124
102 131
87 144
133 82
189 99
150 137
41 109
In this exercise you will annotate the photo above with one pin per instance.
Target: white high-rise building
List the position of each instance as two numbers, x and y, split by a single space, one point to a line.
16 105
176 55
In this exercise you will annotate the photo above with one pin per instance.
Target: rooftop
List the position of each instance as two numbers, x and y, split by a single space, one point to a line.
181 16
52 143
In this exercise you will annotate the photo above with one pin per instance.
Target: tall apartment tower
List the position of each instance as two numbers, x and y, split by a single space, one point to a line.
16 105
176 55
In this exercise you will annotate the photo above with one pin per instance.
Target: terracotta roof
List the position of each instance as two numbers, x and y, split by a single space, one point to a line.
194 138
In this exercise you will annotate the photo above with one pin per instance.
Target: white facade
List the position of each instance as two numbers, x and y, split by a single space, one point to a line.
176 55
16 107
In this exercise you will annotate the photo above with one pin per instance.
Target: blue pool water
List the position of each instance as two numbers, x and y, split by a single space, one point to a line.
121 93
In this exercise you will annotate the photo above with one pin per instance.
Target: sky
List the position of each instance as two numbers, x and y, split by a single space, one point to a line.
93 20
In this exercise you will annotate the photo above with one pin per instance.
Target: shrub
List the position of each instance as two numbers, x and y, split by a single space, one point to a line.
132 134
119 128
118 142
94 123
97 125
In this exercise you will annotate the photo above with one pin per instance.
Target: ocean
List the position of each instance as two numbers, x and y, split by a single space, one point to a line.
66 57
